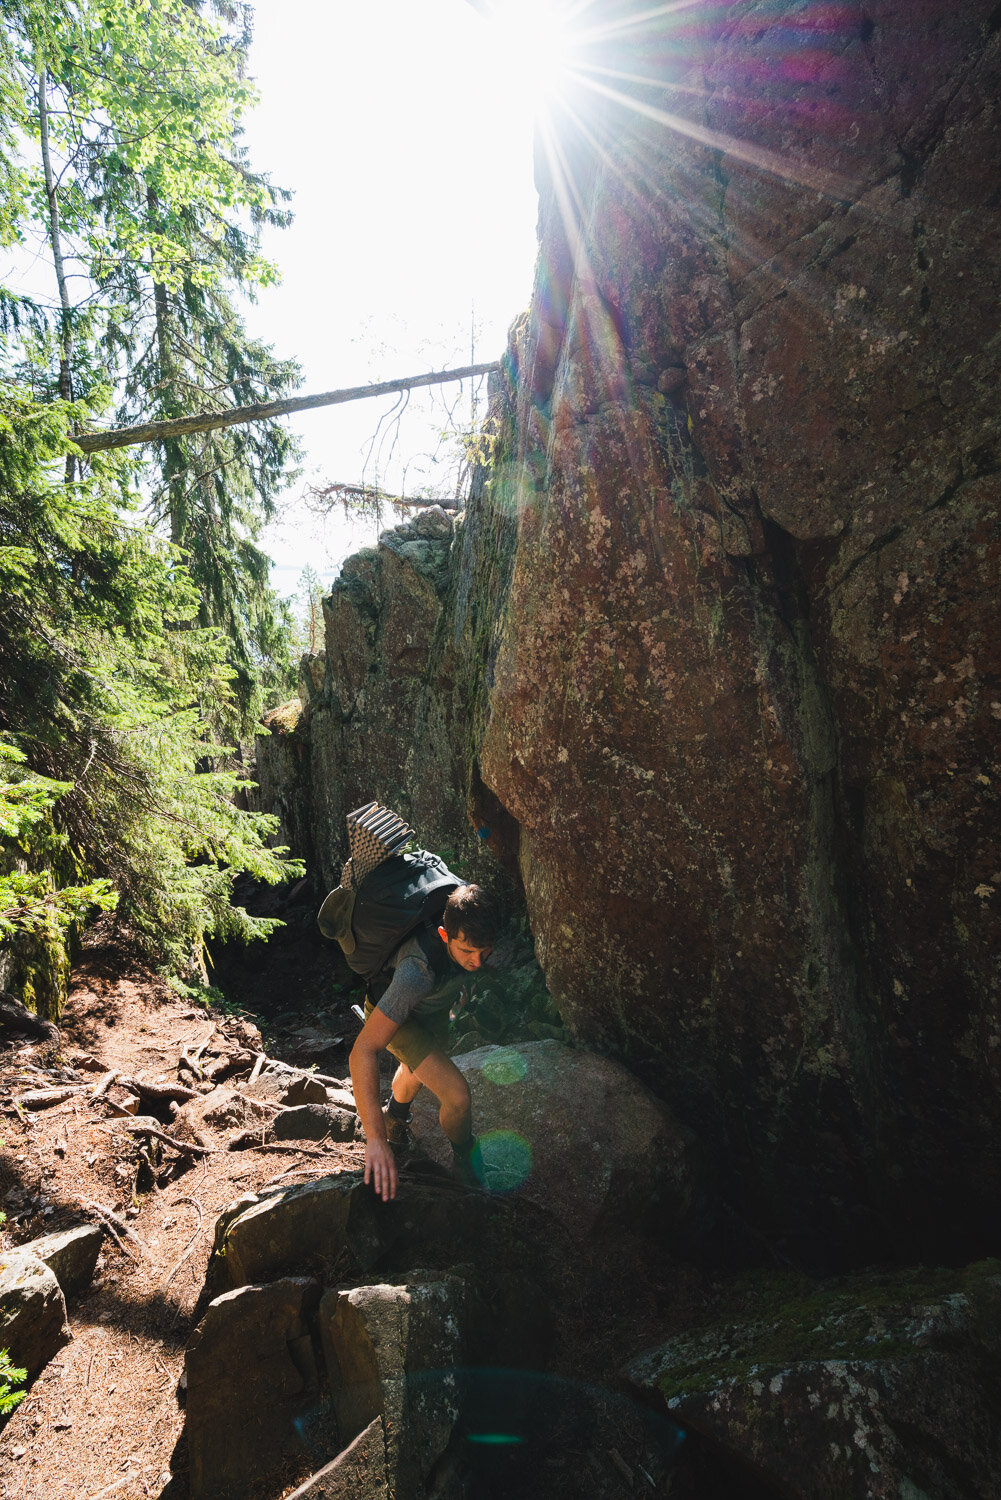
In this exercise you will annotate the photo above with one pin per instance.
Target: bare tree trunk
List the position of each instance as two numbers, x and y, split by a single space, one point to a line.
151 432
56 244
173 461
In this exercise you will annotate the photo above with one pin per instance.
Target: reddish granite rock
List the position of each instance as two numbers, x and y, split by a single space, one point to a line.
714 662
745 704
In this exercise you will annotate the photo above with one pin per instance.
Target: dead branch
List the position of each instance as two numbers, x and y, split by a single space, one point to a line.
111 1488
123 1107
227 1065
280 1146
260 1104
102 1084
160 1091
185 1061
154 432
187 1148
364 497
45 1098
199 1050
113 1224
188 1247
281 1067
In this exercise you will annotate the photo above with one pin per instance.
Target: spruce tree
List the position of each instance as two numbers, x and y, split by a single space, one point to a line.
142 186
119 668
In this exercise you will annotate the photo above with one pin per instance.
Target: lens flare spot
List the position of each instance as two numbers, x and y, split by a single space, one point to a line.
502 1160
494 1439
505 1067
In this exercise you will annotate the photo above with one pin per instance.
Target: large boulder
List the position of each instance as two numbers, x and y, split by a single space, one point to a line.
396 1352
71 1255
208 1119
303 1090
745 703
313 1122
381 618
337 1228
252 1388
32 1310
881 1388
338 1220
259 1237
581 1137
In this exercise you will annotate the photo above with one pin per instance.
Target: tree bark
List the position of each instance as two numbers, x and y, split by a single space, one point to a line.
173 462
55 241
149 432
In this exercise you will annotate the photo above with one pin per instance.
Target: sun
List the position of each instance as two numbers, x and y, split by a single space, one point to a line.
536 42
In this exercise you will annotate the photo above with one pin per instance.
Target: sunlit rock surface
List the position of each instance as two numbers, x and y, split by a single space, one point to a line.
580 1137
745 706
32 1310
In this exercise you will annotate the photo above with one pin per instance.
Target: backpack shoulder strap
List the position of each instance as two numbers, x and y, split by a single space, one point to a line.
434 951
433 948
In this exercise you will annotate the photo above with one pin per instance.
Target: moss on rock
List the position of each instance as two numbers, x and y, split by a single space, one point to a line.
40 971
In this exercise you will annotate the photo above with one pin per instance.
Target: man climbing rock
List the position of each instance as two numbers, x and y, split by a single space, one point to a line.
410 1019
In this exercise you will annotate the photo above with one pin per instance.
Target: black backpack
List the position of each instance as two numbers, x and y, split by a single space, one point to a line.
404 895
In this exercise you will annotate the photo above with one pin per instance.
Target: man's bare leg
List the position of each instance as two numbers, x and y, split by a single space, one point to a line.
451 1090
406 1086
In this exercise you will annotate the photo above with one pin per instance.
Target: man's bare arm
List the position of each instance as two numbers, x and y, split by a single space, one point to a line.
380 1163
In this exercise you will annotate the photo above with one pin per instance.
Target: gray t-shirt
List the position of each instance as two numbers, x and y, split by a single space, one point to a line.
413 989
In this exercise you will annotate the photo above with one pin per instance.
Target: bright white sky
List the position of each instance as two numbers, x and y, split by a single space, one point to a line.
405 131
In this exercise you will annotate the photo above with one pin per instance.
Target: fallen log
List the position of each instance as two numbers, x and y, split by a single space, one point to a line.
227 1065
264 411
102 1085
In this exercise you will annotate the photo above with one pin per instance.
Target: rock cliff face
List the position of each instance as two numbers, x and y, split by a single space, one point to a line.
715 656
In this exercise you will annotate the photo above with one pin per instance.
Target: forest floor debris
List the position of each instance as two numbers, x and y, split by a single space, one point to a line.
103 1417
189 1130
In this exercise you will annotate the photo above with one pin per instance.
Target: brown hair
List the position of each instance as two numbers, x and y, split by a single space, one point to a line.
471 911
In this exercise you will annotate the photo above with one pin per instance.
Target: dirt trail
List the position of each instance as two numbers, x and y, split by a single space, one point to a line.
103 1417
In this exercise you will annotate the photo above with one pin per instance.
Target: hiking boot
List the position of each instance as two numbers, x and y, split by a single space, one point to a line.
397 1131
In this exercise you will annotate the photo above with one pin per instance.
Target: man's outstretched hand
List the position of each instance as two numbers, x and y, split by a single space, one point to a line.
380 1164
380 1168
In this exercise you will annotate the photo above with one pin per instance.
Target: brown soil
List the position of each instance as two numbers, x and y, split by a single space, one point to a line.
103 1416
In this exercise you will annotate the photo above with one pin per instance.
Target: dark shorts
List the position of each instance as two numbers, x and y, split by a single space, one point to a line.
417 1038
